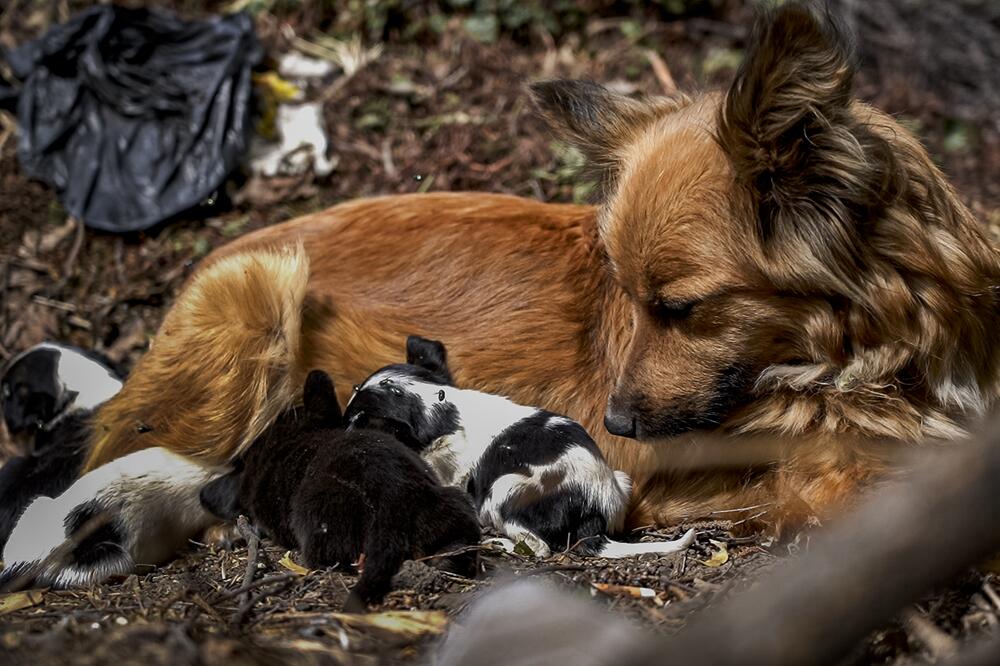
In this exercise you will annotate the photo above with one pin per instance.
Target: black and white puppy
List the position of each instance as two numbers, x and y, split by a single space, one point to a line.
48 394
535 476
336 494
136 510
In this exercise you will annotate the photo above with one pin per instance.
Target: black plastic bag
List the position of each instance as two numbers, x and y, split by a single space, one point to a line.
134 115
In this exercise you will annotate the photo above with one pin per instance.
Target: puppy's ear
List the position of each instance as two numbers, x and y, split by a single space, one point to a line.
220 496
430 355
320 400
815 171
599 122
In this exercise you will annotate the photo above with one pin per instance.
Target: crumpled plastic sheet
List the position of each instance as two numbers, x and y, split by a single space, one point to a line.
133 115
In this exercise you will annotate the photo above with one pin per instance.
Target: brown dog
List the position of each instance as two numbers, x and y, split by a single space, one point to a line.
779 259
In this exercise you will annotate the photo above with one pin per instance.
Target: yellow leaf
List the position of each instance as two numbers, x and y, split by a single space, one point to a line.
280 89
18 600
291 565
273 91
719 557
403 624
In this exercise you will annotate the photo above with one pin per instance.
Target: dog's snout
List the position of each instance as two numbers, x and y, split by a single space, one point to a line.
619 421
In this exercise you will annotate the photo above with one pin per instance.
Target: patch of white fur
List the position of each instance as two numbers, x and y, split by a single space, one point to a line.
152 495
520 534
91 381
625 482
796 377
481 417
961 392
555 422
616 549
579 472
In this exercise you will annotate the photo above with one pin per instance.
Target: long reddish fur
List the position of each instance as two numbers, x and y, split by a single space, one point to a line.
522 294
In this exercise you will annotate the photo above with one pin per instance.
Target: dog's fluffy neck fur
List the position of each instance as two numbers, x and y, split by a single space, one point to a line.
906 367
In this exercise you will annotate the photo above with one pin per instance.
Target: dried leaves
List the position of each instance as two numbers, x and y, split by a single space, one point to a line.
719 556
293 566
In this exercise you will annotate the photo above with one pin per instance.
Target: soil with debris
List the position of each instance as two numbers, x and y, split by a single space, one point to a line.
442 108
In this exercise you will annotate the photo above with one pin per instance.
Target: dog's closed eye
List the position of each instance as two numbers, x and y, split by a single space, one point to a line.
671 311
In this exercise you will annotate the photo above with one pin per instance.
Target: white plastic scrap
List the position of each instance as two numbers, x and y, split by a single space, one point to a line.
303 141
294 65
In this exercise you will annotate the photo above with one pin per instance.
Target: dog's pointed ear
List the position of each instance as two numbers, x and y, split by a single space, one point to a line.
599 122
790 130
430 355
320 400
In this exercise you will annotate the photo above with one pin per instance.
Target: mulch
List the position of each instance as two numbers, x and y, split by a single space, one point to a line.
441 113
204 605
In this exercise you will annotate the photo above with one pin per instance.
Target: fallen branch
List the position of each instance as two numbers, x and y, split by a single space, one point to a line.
253 553
243 590
905 540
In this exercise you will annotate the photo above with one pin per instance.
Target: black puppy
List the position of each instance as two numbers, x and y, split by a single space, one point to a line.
48 393
336 494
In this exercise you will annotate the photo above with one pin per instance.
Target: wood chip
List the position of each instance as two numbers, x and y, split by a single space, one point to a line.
18 600
625 590
408 625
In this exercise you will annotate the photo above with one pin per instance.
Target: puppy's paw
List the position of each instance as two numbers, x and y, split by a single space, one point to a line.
224 536
503 544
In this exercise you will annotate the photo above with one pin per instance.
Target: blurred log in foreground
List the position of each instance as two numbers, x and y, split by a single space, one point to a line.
903 541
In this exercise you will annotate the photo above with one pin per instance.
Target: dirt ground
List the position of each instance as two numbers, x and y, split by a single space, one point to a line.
439 109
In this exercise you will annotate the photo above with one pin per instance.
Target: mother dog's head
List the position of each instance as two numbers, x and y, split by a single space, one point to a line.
792 257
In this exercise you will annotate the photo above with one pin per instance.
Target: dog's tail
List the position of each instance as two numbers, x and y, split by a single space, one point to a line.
224 364
613 549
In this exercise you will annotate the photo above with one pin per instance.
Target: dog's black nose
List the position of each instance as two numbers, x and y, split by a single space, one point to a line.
619 423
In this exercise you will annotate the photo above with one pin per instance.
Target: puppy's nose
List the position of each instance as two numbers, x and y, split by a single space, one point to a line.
619 422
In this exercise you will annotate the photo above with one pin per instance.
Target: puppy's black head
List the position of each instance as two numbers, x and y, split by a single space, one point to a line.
408 399
221 496
320 401
31 391
50 379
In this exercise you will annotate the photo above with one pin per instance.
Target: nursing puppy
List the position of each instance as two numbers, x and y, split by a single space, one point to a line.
772 261
137 510
535 476
48 394
337 494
